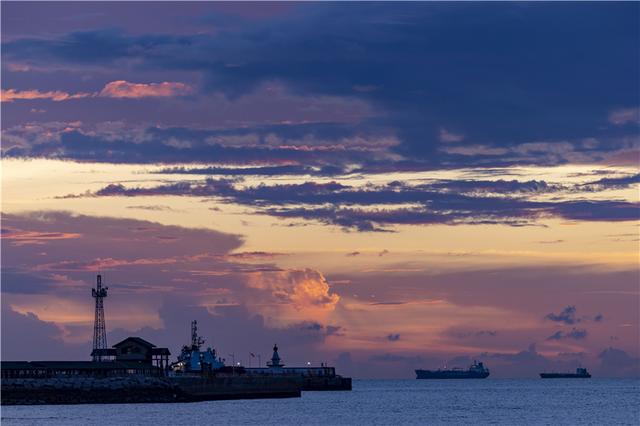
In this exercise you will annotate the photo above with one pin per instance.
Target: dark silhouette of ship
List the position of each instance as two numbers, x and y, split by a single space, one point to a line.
581 373
476 371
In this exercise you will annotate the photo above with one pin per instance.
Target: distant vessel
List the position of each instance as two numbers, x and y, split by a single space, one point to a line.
581 373
476 371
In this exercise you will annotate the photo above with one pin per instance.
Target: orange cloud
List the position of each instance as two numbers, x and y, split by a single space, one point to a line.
303 288
116 89
20 238
125 89
11 95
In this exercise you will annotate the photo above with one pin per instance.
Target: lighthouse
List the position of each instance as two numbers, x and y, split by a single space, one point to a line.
275 359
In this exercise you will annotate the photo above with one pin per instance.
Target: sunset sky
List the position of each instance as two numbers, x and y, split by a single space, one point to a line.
379 186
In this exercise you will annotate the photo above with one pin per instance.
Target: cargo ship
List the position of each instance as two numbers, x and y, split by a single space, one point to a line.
581 373
476 371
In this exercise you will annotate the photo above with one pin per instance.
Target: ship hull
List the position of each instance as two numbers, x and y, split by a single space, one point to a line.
564 376
434 375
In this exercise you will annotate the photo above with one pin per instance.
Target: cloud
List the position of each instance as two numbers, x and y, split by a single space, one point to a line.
125 89
440 202
435 82
305 288
13 67
318 148
19 237
116 89
611 183
574 334
624 116
393 337
447 136
285 170
463 334
566 316
42 336
11 95
156 207
618 363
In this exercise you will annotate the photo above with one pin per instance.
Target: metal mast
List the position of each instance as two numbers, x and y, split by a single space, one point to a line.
99 328
196 341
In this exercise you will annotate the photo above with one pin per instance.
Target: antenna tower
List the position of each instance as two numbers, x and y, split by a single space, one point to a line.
99 328
196 341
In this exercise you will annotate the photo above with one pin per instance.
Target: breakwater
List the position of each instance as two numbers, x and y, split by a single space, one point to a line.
335 383
141 389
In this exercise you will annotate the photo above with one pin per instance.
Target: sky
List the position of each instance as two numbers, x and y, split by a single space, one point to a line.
378 186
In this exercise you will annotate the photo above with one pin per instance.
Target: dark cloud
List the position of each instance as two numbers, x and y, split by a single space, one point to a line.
394 337
257 171
612 183
574 334
478 333
450 76
325 145
22 282
566 316
329 202
158 208
393 358
44 341
618 363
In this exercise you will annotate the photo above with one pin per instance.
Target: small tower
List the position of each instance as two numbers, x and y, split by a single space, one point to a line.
99 327
275 359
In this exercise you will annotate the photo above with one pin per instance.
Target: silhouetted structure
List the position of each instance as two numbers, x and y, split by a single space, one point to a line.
323 378
581 373
476 371
275 359
135 349
99 327
132 356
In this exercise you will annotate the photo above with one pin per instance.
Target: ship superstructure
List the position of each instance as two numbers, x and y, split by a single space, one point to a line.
194 360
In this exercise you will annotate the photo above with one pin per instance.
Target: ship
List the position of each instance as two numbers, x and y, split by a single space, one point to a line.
581 373
193 359
476 371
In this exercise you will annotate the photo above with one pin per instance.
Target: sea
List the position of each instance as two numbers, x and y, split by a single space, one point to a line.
379 402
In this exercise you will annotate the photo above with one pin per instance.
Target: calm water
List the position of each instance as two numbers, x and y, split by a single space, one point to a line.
380 402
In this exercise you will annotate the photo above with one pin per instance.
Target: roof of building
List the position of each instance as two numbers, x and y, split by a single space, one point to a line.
138 340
